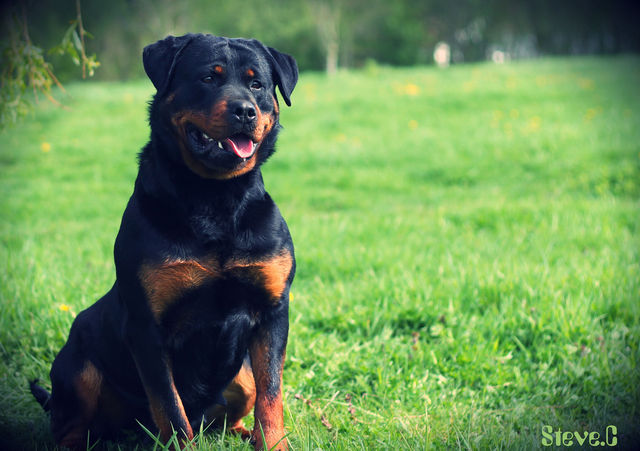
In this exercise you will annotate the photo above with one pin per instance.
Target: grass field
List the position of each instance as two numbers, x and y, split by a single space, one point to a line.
467 240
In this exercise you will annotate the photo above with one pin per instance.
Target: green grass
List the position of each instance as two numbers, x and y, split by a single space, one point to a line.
467 243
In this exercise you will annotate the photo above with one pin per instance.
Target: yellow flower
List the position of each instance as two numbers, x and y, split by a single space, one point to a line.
586 83
534 124
411 90
497 117
413 124
45 146
590 114
65 308
541 80
508 129
290 296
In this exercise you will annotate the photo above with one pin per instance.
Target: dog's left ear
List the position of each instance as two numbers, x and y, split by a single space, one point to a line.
285 70
159 59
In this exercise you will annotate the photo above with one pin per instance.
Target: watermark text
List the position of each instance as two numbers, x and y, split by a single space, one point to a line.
558 437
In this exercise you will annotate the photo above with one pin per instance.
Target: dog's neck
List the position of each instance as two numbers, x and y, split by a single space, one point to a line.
182 190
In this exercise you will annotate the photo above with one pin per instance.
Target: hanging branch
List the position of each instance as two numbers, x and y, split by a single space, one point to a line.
73 45
36 64
23 67
82 45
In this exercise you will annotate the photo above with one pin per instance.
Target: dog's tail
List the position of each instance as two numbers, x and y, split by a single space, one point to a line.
42 396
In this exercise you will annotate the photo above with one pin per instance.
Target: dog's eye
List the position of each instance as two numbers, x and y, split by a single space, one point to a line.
208 79
255 84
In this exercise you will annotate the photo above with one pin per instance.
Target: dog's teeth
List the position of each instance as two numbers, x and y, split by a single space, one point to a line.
220 145
207 137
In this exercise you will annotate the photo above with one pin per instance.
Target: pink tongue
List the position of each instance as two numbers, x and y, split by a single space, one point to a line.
240 145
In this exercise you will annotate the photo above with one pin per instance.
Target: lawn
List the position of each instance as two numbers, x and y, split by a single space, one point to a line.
468 246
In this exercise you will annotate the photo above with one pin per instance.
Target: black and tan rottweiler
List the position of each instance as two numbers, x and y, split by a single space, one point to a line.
195 326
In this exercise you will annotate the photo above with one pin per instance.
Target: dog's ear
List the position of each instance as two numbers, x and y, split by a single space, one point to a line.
285 70
159 59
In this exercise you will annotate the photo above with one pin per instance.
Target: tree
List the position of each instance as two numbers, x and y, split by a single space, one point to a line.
326 14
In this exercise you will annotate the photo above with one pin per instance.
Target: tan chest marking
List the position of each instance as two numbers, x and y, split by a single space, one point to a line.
271 273
168 281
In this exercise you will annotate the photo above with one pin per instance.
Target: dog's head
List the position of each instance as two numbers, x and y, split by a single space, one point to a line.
216 100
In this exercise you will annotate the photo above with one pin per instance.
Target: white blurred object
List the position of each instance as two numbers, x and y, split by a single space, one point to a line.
498 57
442 54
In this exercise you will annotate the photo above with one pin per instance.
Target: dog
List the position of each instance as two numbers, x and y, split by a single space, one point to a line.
195 326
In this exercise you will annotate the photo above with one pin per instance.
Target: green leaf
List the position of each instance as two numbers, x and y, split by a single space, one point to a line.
76 41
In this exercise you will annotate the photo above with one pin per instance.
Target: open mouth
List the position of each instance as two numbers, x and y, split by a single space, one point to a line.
203 145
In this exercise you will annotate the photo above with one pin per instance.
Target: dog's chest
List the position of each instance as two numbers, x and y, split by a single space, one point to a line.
168 282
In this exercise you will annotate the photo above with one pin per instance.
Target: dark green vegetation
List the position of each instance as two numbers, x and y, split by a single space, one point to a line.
317 32
467 241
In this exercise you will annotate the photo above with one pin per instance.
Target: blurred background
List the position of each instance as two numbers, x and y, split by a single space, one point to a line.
332 34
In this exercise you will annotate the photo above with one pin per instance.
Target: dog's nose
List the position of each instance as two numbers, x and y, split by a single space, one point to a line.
242 111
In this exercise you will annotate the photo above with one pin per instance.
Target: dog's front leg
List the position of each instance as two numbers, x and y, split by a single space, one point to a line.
145 343
267 352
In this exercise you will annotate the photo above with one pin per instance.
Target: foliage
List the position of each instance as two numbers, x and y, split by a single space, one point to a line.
24 68
402 32
467 243
72 45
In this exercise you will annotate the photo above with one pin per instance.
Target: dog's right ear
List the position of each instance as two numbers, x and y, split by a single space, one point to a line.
159 59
